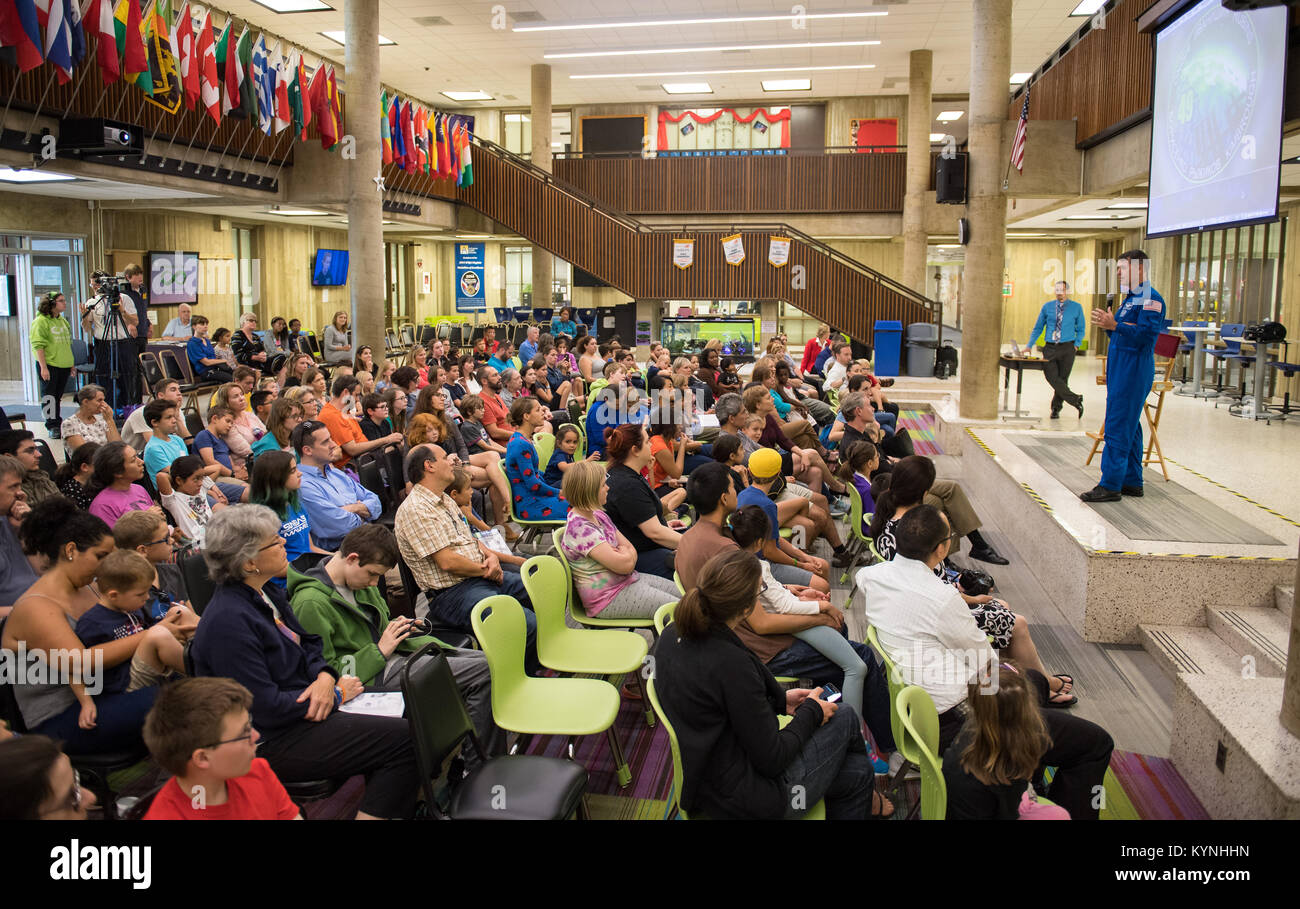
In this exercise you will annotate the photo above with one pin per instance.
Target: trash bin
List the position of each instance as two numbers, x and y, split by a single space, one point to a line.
922 340
889 344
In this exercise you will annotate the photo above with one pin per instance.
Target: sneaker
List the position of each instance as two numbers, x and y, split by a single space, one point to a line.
878 764
840 506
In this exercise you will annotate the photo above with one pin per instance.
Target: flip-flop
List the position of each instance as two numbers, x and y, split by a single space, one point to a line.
1052 702
1065 680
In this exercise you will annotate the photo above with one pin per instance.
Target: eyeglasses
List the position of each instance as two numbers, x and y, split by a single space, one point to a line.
166 539
245 736
279 541
74 798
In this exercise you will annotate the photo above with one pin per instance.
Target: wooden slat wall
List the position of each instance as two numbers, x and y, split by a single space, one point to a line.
752 184
640 264
1102 80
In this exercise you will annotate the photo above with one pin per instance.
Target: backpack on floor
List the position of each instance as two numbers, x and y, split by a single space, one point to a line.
945 361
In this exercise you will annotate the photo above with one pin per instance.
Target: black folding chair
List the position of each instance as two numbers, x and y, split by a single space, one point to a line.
197 582
452 637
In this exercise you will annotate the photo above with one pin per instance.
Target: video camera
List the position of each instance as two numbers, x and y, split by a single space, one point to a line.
108 287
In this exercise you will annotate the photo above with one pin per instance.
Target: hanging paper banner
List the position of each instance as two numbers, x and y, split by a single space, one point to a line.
683 253
733 249
778 251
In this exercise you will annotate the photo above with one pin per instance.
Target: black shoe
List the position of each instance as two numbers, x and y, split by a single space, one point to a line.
1079 407
1100 494
1056 415
987 554
1135 491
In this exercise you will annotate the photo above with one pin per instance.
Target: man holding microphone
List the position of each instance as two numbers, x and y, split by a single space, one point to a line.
1130 370
1063 328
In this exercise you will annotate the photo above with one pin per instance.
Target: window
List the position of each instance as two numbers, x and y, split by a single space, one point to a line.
396 291
518 132
519 279
1232 275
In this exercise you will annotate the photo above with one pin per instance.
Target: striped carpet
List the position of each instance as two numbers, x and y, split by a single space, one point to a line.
920 426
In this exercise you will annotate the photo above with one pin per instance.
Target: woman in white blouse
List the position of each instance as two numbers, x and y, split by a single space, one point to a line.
93 421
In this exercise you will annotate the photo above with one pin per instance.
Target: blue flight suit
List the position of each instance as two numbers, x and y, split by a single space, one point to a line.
1130 370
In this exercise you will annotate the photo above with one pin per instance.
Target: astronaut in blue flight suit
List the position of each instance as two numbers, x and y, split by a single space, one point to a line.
1130 370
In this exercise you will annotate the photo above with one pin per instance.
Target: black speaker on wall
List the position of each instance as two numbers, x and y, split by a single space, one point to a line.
950 179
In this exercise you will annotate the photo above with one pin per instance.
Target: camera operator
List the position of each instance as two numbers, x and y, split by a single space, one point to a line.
134 275
112 321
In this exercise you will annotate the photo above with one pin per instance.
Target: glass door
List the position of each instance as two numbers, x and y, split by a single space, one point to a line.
40 265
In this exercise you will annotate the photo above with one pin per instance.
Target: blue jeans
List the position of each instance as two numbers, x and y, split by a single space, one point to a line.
833 766
801 659
834 645
452 605
888 422
658 561
789 574
695 460
118 723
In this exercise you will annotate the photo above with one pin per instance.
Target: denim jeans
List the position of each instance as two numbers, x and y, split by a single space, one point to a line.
832 644
833 766
788 574
801 659
658 561
452 605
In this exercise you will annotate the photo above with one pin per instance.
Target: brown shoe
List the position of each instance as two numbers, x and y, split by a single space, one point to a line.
510 533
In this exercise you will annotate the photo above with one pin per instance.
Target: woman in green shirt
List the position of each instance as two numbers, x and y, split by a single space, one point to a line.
52 343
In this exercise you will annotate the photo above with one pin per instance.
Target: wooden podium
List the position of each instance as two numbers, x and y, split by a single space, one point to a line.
1166 351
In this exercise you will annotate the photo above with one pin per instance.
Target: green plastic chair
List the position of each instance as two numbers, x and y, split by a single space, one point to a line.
815 813
544 442
664 614
921 738
577 651
895 681
576 610
678 581
529 706
532 529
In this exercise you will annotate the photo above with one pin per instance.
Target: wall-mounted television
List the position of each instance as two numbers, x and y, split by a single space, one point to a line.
1216 112
330 268
173 278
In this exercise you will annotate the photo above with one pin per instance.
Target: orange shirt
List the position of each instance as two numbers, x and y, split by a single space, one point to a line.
494 411
659 476
342 429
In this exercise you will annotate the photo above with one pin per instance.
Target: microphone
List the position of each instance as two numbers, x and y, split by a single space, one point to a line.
1110 301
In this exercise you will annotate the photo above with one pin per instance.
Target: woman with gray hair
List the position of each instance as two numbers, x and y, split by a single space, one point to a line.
250 634
93 421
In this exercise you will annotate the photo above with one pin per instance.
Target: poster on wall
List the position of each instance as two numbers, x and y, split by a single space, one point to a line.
173 278
683 253
778 251
733 249
869 134
470 293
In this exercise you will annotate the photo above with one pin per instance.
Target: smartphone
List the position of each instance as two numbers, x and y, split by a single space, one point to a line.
830 694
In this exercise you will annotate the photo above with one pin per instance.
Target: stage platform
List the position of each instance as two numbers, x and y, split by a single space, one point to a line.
1189 546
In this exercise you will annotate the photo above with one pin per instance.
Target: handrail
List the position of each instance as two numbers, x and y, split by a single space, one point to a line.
934 306
725 152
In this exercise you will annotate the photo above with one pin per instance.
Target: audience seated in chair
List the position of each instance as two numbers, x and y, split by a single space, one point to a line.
37 781
632 505
534 499
335 502
37 484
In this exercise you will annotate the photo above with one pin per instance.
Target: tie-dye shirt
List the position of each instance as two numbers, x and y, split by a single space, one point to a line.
597 585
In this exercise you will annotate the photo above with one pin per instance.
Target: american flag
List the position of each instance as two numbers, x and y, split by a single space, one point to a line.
1022 136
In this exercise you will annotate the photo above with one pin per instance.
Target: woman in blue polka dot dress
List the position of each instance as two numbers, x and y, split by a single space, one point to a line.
534 499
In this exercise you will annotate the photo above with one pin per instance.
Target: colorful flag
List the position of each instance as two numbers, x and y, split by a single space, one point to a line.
395 127
263 86
408 138
385 134
99 19
336 108
57 48
228 63
247 82
283 116
73 16
1022 137
444 145
209 84
422 138
187 52
164 74
299 102
127 30
144 78
20 28
466 169
323 107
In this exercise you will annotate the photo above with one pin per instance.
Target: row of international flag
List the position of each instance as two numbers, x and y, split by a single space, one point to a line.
176 58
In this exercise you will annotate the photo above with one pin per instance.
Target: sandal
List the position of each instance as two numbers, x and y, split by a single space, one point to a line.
1065 680
630 691
1053 697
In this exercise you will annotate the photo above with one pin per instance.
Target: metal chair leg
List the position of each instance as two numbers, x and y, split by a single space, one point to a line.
620 762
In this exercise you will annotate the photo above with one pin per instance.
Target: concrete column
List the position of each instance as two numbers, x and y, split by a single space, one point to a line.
1291 687
918 168
540 118
990 68
365 201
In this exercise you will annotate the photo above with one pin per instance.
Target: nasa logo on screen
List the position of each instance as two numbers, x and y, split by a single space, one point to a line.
1216 82
469 284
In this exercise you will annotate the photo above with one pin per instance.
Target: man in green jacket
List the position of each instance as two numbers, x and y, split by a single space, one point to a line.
339 600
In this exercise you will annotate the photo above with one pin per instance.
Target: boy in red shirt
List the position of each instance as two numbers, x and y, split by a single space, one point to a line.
199 729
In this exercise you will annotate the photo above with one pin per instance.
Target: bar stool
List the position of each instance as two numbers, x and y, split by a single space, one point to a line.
1228 345
1288 370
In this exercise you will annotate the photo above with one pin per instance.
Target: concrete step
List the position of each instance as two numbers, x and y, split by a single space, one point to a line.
1190 649
1261 633
1284 599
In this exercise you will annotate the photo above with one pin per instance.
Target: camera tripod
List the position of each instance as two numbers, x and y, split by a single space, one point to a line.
115 328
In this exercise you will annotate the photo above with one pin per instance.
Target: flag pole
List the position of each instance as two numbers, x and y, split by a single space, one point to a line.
261 140
40 104
274 150
85 67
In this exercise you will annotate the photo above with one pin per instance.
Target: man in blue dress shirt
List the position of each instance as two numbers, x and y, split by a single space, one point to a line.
1061 323
335 503
1130 370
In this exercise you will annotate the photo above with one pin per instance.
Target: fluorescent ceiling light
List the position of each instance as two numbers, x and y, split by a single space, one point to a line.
473 237
1098 217
290 212
469 96
948 246
938 137
1020 78
1123 205
293 6
948 116
1088 7
724 72
703 50
787 85
9 175
1023 236
711 20
688 88
338 36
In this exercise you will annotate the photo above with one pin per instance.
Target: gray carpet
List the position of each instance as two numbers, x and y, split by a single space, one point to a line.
1167 511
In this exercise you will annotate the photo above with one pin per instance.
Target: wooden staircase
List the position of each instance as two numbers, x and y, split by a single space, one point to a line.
636 258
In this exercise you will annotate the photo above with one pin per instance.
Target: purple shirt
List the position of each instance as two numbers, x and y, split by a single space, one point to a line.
597 585
863 486
111 504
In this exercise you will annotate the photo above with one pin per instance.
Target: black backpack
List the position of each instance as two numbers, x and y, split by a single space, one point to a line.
945 361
